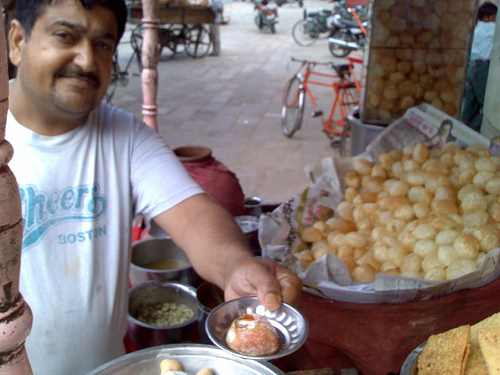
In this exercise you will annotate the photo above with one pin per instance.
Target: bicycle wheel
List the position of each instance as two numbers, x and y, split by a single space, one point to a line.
136 44
292 111
272 27
337 50
198 41
115 75
305 32
257 21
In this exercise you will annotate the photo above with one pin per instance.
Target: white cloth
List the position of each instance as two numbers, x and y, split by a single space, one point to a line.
482 42
80 192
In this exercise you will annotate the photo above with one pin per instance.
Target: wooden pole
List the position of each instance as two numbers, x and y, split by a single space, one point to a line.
15 315
149 58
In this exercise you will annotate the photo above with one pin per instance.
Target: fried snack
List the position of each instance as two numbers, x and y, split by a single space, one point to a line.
442 205
170 365
489 342
445 353
252 335
476 364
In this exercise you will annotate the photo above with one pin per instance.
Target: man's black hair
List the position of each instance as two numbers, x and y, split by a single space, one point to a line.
486 9
27 11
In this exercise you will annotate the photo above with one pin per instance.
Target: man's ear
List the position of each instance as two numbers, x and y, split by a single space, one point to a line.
17 40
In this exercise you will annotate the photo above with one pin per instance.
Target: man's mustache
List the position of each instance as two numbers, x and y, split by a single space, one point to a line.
78 73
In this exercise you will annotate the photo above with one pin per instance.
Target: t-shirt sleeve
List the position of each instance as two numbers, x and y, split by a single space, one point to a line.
159 180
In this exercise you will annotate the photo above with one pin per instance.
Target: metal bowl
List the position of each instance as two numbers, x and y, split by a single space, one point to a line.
289 323
193 357
153 250
409 366
151 292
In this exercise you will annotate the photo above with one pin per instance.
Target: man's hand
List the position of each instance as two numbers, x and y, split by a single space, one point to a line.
265 278
219 252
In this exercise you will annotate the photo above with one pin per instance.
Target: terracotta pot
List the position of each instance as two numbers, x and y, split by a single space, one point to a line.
214 177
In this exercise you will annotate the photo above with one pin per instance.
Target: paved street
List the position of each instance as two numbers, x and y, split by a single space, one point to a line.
232 102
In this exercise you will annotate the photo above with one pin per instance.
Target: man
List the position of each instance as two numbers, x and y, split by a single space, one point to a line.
85 170
477 75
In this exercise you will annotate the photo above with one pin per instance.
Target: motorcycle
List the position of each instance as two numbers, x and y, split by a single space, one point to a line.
347 34
267 16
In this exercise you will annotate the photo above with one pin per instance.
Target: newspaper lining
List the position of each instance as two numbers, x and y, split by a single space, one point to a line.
328 277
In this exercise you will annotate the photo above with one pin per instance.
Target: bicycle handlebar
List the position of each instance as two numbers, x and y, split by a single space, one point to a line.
337 67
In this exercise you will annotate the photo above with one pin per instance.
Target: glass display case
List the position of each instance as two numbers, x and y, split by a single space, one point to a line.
417 51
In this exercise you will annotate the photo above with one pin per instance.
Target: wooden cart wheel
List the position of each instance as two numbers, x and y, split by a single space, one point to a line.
169 39
136 40
198 41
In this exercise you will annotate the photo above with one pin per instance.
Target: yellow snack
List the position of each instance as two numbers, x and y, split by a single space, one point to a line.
445 353
489 342
170 365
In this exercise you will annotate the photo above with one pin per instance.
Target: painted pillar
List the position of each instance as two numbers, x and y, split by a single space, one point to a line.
150 57
15 314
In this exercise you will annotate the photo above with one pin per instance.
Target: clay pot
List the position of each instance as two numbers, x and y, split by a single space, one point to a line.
214 177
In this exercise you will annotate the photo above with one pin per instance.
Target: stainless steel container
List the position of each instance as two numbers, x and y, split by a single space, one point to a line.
153 250
152 292
249 225
193 358
361 134
253 206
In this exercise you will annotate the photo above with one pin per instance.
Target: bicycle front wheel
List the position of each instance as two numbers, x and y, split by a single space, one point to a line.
136 43
292 111
305 32
115 76
198 41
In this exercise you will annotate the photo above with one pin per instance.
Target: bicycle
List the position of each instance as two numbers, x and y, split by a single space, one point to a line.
346 88
312 27
119 75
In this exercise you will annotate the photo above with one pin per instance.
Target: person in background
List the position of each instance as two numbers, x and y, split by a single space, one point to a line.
261 7
85 170
479 64
214 28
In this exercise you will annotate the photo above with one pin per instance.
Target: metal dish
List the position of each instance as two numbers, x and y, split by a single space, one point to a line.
289 323
193 357
150 250
152 292
410 364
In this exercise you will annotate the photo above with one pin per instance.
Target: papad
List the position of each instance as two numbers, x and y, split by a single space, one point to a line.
445 353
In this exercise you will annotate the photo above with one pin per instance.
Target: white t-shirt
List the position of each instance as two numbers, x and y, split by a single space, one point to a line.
482 43
80 192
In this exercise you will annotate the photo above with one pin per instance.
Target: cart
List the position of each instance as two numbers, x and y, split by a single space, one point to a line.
179 26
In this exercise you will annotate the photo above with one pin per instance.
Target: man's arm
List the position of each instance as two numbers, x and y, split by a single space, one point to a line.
220 253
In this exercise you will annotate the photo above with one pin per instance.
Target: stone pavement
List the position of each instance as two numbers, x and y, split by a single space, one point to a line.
232 102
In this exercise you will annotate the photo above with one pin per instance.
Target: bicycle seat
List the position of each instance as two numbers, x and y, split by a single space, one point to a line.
342 69
326 12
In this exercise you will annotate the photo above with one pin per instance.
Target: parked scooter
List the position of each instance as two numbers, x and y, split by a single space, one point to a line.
347 34
267 16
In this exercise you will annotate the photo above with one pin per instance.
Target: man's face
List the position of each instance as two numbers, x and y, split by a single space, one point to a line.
65 64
